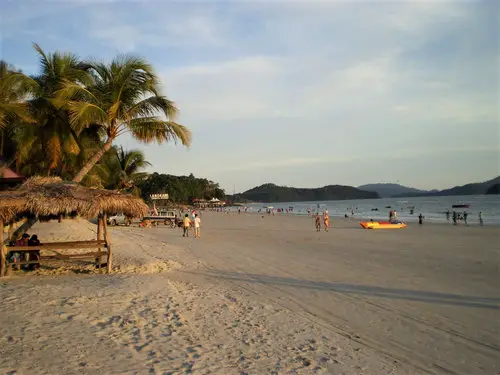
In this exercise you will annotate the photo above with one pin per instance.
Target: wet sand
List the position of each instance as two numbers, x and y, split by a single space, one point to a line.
260 295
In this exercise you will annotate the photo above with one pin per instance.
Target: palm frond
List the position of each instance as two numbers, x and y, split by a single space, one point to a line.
153 129
153 105
82 114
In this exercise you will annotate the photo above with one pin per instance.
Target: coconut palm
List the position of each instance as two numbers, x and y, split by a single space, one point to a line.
125 169
14 86
43 148
124 97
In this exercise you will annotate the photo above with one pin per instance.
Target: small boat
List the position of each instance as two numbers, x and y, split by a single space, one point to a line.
381 225
374 209
388 206
461 206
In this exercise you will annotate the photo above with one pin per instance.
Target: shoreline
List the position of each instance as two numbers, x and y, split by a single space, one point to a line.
357 219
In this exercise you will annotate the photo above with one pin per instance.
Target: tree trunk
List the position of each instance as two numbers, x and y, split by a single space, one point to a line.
2 134
92 161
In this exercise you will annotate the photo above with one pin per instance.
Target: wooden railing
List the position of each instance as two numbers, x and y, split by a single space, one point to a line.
102 242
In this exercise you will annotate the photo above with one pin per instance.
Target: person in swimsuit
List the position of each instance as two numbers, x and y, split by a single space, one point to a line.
326 221
318 223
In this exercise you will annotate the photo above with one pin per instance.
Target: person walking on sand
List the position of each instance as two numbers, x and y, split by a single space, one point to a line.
197 222
186 225
480 218
318 223
465 217
326 221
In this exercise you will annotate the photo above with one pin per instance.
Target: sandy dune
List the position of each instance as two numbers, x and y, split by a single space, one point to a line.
262 295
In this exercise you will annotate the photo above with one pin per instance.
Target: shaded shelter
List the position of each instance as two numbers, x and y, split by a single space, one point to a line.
46 198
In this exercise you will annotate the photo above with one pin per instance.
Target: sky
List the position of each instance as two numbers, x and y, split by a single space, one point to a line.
299 93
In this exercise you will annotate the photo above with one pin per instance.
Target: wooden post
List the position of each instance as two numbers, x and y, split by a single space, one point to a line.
99 237
2 255
108 242
11 231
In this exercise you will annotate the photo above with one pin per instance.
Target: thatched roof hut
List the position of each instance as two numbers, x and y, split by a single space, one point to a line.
51 196
48 198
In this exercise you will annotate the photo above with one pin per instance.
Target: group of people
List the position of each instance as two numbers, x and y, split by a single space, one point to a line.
27 255
194 222
462 216
393 216
326 221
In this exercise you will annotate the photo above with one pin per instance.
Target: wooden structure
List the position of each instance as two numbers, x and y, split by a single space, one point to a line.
51 198
200 203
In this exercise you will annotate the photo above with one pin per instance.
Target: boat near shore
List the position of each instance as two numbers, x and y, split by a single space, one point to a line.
382 225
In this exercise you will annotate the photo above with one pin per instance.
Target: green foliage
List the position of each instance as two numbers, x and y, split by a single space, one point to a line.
125 169
181 189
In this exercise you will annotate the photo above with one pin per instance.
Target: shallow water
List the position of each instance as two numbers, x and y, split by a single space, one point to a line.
432 208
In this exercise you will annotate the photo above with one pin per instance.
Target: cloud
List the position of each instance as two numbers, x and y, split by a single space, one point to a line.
154 24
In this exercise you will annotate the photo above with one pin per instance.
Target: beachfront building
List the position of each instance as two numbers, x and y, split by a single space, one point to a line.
214 202
8 178
200 203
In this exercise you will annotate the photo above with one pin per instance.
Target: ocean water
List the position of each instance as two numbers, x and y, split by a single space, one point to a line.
432 208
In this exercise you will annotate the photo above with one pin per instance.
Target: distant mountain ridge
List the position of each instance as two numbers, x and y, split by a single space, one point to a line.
274 193
399 191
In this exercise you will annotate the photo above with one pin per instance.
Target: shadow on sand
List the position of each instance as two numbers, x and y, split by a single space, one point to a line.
368 290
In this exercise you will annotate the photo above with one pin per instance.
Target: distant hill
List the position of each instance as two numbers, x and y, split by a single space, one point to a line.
275 193
471 189
494 189
391 190
478 188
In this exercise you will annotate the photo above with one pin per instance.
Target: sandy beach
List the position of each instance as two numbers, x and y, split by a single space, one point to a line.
260 295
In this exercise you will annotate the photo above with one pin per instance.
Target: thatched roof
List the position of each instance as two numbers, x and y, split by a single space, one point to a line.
51 196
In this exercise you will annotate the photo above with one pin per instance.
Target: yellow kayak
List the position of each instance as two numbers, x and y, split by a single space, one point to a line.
381 225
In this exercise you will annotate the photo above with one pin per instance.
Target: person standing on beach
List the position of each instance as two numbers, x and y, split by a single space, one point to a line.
454 216
480 218
448 215
318 223
197 222
465 217
420 219
186 225
326 221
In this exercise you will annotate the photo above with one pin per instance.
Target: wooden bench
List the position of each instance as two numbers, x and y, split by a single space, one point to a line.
54 246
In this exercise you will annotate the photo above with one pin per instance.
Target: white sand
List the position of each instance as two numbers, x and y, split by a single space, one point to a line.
261 296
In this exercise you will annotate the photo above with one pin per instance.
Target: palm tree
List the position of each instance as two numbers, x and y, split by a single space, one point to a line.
46 146
124 97
125 169
14 86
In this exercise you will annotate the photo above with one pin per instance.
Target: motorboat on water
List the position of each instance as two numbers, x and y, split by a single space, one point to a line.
461 206
382 225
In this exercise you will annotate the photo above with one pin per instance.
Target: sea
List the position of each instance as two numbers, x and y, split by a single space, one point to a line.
432 208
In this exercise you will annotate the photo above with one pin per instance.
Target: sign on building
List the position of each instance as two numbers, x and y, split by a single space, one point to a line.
158 196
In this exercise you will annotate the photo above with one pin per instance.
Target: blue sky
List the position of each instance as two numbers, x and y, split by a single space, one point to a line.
299 93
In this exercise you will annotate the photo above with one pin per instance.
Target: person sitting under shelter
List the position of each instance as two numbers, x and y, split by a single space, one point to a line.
34 255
